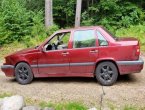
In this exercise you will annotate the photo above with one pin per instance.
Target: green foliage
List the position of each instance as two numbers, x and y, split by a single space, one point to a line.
16 21
137 31
39 36
113 14
50 30
34 5
86 21
64 12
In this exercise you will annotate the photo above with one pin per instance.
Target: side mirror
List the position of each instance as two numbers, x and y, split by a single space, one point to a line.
43 49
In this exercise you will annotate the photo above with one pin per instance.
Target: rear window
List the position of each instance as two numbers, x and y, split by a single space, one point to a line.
101 39
113 36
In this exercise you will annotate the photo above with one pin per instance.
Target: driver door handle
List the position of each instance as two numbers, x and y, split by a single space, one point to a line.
65 53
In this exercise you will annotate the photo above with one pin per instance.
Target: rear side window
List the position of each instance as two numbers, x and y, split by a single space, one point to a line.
101 39
85 38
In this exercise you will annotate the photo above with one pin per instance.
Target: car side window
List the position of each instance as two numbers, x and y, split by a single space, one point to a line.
101 39
58 42
84 38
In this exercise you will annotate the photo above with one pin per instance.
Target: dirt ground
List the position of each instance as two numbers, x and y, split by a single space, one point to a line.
129 90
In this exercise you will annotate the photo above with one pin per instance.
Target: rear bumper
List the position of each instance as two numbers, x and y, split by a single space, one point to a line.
126 67
8 70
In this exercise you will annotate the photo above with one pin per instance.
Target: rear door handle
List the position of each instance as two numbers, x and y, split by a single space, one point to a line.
93 51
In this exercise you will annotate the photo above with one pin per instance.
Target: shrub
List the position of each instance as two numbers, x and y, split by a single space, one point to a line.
16 21
39 36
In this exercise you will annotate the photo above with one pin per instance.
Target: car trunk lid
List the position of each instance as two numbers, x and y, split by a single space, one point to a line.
134 43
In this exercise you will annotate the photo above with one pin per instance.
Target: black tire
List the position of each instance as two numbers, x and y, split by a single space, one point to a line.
106 73
23 73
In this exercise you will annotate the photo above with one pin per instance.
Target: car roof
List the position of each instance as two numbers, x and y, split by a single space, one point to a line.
79 28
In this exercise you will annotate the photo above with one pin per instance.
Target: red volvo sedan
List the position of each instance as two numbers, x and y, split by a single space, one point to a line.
78 52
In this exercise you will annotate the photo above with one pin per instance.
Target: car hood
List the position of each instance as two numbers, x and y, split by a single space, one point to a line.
24 51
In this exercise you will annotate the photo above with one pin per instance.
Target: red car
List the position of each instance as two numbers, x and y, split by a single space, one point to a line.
78 52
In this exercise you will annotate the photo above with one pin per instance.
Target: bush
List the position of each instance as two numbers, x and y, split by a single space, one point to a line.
113 14
16 21
39 36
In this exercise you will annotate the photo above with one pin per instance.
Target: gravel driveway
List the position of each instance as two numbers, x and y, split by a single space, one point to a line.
129 89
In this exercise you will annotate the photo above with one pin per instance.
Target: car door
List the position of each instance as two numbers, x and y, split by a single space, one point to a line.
52 61
84 51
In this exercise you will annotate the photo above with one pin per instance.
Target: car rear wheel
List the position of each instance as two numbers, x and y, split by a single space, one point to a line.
23 73
106 73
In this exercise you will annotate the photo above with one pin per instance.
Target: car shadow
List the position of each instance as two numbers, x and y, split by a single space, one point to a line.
121 79
126 78
65 79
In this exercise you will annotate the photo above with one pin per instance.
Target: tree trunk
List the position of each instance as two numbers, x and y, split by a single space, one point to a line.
48 13
78 13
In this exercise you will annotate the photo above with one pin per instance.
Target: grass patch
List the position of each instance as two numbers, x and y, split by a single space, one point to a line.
81 106
72 105
132 107
64 105
30 101
3 95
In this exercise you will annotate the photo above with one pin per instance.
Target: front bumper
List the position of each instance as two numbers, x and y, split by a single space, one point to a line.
126 67
8 70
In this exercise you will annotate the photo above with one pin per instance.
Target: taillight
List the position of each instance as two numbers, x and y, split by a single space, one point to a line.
137 50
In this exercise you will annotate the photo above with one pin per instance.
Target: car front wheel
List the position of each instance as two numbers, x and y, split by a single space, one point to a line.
23 73
106 73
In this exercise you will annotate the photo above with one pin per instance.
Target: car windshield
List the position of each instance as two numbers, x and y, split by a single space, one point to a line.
109 33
